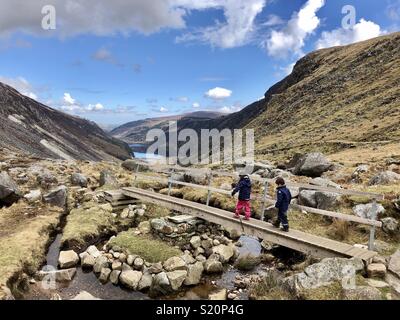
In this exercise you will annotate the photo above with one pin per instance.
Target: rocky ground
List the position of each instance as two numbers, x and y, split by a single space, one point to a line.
161 253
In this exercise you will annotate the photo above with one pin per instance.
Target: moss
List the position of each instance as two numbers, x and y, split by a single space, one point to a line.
154 211
149 249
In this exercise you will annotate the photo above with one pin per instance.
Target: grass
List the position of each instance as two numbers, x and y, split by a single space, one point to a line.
149 249
23 240
269 289
329 292
247 262
339 230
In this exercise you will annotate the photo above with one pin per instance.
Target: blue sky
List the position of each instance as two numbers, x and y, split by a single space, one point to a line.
119 61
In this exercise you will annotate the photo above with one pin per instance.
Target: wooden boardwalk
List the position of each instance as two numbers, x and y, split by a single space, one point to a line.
309 244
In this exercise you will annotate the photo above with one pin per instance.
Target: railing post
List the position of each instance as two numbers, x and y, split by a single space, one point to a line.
265 194
374 213
136 172
209 191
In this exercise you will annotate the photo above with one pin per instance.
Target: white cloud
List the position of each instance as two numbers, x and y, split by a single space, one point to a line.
288 69
238 29
393 10
363 30
162 109
230 109
273 20
196 105
218 93
21 85
68 99
291 39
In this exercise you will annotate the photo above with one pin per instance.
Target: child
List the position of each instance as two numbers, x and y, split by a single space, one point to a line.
284 198
244 189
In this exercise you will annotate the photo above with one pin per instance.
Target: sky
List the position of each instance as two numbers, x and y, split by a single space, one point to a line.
118 61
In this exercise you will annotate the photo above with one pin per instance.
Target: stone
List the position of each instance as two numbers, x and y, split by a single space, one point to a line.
213 266
394 282
201 258
376 270
126 267
80 180
394 263
101 262
195 271
57 197
84 295
195 242
68 259
207 244
390 225
275 173
104 275
140 212
130 278
175 263
138 263
130 165
362 293
131 259
64 275
125 213
145 282
307 198
225 252
384 178
327 200
144 227
181 219
188 258
176 278
324 183
122 257
312 165
9 191
46 178
116 265
365 210
161 284
88 261
93 251
108 179
220 295
198 251
155 268
158 224
114 276
233 233
33 196
377 283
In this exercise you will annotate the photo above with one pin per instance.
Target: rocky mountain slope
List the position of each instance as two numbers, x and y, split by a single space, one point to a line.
135 132
29 126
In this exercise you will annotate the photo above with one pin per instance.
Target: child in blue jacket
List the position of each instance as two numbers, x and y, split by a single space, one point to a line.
284 198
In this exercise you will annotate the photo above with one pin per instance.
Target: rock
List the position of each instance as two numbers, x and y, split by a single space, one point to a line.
57 197
268 246
101 262
130 278
377 283
93 251
188 258
130 165
88 261
327 200
155 268
80 180
365 210
379 259
114 276
144 227
33 196
225 252
386 177
138 263
376 270
195 242
220 295
213 266
307 198
201 258
312 165
68 259
158 224
116 265
394 263
140 212
175 263
198 251
131 259
324 183
122 257
9 192
126 267
64 275
196 178
275 173
104 275
145 282
84 295
176 278
194 274
46 179
161 284
207 244
362 293
394 282
390 225
233 233
108 179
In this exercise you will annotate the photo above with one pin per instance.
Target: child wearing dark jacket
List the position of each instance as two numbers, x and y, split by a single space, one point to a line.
244 189
284 198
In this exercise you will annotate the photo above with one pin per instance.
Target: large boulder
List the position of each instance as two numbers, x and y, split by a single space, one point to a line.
57 197
307 198
130 278
390 225
68 259
362 293
327 200
194 274
365 210
175 263
145 282
213 266
386 177
104 275
176 278
108 179
225 252
161 284
9 192
130 165
101 262
376 270
196 178
80 180
312 165
394 263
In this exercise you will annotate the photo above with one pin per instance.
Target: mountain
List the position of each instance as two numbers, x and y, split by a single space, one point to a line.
334 99
29 126
135 132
